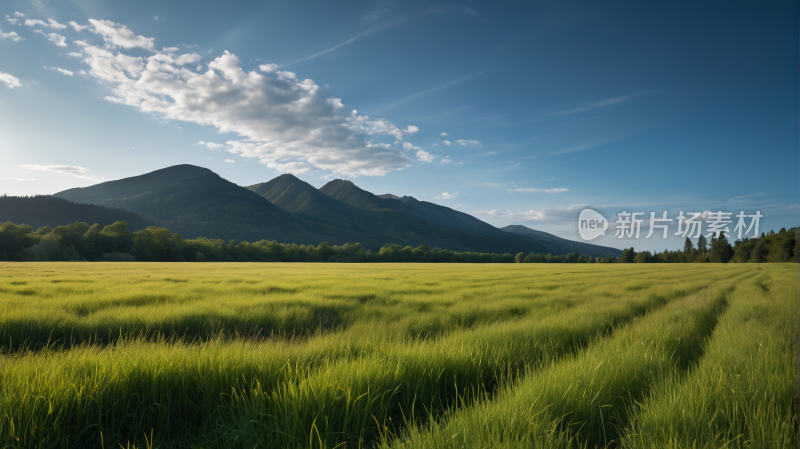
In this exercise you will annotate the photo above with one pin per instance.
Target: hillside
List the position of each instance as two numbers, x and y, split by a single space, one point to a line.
44 210
195 201
537 242
373 216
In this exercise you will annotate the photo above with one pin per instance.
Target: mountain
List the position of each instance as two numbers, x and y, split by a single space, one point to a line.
195 201
43 210
368 214
570 245
536 241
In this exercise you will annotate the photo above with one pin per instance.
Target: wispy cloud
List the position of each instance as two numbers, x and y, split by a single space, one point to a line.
426 92
445 196
602 103
528 189
584 146
348 41
72 170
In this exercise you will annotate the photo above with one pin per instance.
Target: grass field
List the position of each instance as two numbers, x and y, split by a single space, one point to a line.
396 355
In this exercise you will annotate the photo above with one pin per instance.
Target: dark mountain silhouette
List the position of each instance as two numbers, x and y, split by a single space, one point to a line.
45 210
195 201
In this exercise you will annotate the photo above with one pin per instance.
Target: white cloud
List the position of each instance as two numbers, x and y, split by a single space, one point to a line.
211 145
49 24
469 142
445 196
65 72
444 134
528 189
74 54
155 18
446 161
77 27
282 120
446 142
55 38
231 161
434 144
15 20
12 35
11 81
78 172
424 156
120 36
19 179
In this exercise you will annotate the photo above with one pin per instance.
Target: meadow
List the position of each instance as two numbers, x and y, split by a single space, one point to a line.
228 355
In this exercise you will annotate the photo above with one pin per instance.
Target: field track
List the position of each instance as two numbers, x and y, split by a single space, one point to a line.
397 355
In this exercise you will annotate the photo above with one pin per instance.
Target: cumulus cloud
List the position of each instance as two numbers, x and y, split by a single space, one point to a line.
230 161
446 142
282 120
445 196
55 38
74 54
528 189
49 24
469 142
444 134
11 81
72 170
77 27
12 35
424 156
120 36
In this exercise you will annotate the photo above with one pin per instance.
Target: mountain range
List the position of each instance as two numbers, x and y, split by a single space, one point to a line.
195 201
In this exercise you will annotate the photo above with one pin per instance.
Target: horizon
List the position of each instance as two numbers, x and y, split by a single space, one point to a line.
520 115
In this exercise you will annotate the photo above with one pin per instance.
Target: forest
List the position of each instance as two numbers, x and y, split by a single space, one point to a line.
115 242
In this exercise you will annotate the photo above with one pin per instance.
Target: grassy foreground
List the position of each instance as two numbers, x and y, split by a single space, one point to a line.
396 355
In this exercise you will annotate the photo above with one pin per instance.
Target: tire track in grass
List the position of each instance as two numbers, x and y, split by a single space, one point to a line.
352 402
581 401
739 394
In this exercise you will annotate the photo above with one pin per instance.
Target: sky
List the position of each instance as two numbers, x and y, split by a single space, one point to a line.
513 112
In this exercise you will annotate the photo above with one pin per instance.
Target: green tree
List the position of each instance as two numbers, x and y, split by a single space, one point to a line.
702 244
628 255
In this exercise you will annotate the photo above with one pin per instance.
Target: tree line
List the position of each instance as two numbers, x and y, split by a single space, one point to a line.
781 246
80 241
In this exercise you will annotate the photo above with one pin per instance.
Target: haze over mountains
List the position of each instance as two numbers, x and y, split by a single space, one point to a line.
194 201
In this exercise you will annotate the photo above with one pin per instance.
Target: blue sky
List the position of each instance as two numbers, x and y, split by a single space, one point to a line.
515 113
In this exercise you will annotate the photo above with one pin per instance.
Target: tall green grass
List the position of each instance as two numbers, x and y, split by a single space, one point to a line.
741 394
582 401
415 350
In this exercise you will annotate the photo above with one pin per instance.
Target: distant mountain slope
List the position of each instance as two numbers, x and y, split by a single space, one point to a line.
584 248
444 216
195 201
44 210
375 216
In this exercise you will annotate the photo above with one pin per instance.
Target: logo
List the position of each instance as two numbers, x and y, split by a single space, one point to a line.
591 224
